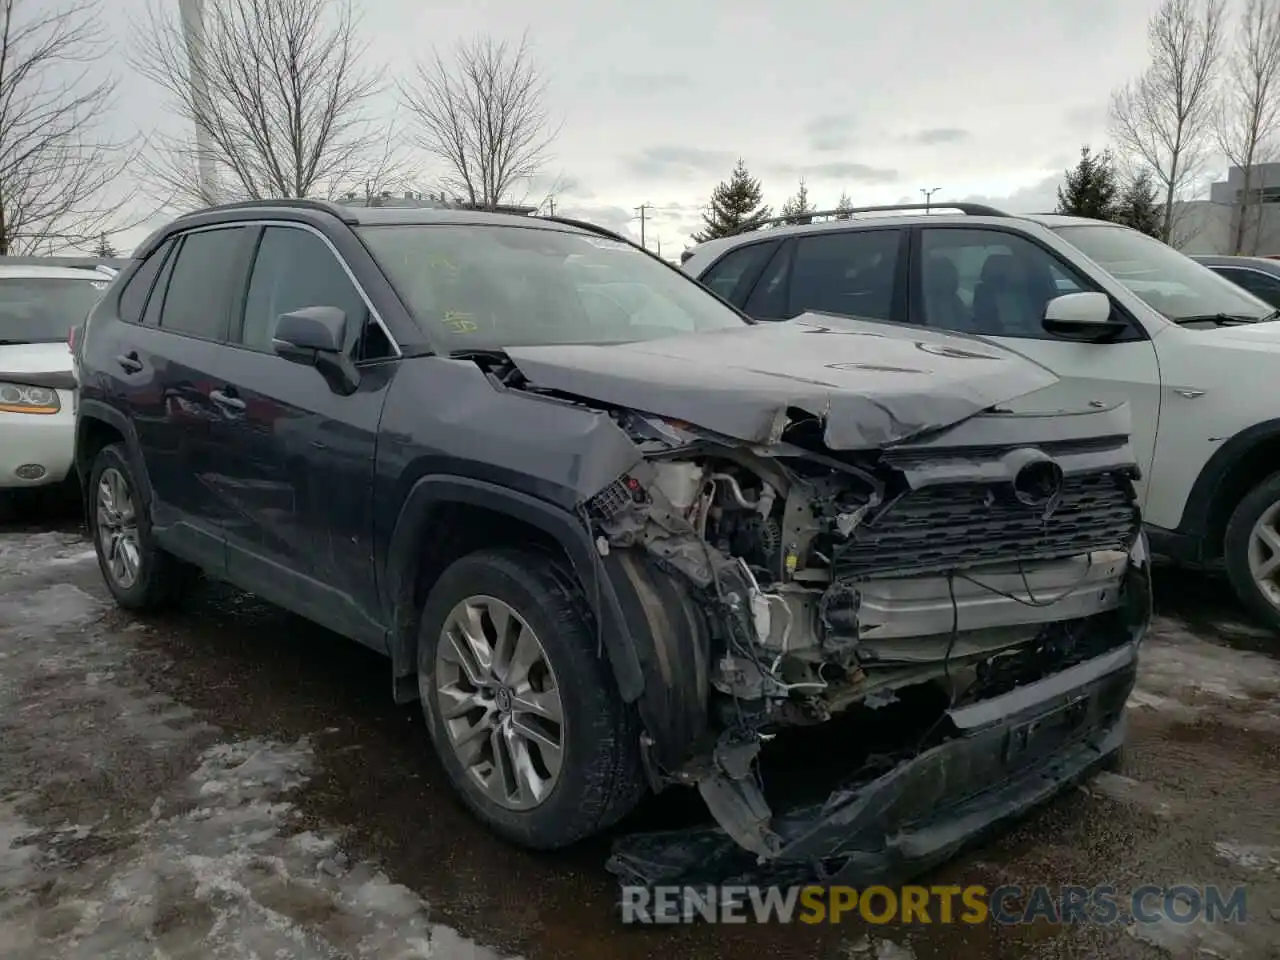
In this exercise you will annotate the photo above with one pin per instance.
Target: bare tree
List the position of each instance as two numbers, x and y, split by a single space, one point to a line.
1163 120
1249 118
283 106
56 166
482 114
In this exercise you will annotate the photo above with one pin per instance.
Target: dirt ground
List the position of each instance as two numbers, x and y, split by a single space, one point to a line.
230 781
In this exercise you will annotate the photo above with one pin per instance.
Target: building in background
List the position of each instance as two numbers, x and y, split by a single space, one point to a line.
1209 226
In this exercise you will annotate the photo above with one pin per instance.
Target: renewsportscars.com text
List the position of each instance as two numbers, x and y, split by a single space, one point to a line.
972 904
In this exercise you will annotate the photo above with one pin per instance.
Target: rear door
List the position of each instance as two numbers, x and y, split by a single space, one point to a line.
856 273
298 469
165 373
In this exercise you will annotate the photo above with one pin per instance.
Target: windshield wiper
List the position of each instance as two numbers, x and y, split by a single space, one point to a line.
483 353
1221 319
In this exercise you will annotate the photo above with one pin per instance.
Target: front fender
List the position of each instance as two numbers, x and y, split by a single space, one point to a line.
649 626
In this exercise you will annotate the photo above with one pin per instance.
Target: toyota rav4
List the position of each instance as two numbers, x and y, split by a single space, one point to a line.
613 535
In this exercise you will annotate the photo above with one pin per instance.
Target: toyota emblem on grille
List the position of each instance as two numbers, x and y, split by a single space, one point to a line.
1036 479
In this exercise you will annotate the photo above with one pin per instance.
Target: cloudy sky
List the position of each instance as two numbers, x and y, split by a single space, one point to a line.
986 99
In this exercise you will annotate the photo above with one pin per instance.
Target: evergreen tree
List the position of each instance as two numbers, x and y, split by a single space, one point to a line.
796 207
1139 205
1090 189
104 249
735 206
843 207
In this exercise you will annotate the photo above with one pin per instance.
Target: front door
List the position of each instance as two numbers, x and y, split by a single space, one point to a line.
996 283
299 468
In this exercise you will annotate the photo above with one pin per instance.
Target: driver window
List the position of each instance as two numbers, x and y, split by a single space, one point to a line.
293 269
989 282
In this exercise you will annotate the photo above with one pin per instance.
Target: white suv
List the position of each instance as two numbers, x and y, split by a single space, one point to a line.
39 306
1115 314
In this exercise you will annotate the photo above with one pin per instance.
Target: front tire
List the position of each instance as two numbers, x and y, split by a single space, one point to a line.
138 573
1251 551
523 713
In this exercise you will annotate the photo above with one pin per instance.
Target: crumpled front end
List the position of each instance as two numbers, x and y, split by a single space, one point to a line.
957 615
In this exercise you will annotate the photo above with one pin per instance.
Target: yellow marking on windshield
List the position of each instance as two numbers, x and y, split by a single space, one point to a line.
460 322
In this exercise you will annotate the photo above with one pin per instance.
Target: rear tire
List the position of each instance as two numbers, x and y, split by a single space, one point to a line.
139 574
595 776
1251 551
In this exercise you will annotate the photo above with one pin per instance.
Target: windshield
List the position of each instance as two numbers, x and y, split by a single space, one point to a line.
1174 284
489 287
44 309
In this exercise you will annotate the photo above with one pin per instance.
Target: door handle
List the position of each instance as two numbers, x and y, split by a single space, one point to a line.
129 361
225 398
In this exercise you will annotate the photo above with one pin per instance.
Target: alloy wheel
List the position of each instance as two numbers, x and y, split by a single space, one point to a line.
500 703
118 528
1264 554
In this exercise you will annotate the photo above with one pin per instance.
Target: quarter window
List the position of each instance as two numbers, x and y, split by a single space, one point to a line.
133 298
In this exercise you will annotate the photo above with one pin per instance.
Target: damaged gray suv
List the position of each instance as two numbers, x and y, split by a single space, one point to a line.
616 537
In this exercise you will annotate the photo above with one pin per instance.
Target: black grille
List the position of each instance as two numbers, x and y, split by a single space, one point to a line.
956 526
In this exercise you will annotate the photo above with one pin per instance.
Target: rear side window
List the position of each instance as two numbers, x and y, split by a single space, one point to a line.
204 282
853 274
731 275
133 298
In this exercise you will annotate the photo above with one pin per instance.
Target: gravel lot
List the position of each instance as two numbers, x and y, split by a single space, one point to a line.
230 781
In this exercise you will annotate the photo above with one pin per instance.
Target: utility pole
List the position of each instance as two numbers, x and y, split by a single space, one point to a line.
551 206
928 196
192 14
642 209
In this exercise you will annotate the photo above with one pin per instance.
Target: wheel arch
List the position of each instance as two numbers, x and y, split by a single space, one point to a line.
648 624
1237 466
99 425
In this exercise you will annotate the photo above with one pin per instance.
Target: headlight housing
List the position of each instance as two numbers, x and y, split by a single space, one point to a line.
23 398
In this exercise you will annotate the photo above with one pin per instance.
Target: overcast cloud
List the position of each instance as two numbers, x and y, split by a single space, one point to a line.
987 99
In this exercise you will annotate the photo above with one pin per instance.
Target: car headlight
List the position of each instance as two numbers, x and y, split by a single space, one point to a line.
21 398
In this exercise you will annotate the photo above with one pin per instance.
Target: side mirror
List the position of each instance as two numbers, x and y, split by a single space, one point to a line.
311 329
314 337
1081 316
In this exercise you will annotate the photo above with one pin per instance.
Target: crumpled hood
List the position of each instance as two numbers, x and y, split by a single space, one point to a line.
872 383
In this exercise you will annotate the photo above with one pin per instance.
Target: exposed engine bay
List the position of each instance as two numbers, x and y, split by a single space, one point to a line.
827 581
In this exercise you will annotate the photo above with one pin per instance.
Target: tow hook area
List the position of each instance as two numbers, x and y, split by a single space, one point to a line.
730 787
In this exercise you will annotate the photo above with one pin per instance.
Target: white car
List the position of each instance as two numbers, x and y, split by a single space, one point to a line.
1116 315
39 306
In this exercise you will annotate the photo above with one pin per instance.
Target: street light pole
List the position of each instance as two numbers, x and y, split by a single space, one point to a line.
928 196
192 14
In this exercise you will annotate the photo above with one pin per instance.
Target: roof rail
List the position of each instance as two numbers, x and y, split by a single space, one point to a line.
300 203
590 227
601 232
970 209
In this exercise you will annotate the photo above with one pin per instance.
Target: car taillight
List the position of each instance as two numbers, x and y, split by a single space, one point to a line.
71 339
